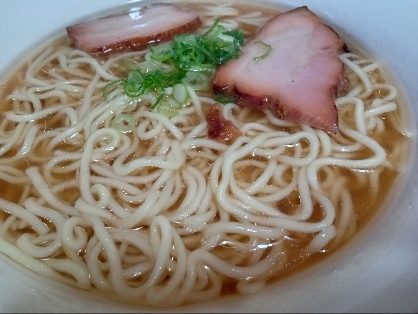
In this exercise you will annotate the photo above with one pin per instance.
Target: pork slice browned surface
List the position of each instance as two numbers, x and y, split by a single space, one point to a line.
133 30
220 129
291 67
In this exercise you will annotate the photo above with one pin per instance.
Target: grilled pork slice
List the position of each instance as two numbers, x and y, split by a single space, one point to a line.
290 67
133 30
220 129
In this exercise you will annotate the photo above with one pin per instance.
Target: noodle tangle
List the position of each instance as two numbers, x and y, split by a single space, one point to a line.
162 215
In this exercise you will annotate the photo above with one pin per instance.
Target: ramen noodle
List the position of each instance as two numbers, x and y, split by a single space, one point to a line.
156 213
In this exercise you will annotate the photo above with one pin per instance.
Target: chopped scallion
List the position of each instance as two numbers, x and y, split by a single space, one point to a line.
224 99
192 52
186 54
264 54
124 123
180 93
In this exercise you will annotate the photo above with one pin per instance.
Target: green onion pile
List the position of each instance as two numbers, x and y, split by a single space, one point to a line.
191 58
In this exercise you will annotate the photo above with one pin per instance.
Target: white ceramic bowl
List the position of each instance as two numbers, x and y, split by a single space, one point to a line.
377 272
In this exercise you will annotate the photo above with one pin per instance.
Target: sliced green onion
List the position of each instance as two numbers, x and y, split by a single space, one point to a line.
224 99
180 93
160 53
192 52
266 53
169 107
123 122
199 81
189 59
170 78
214 25
168 111
169 91
108 87
128 64
237 34
226 38
138 83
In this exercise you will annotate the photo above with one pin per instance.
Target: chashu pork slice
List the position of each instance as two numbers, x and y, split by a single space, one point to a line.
291 66
220 129
133 30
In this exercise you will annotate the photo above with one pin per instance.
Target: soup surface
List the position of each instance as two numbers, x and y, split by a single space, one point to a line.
103 192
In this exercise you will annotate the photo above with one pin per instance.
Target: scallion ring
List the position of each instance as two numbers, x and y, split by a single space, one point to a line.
267 46
123 122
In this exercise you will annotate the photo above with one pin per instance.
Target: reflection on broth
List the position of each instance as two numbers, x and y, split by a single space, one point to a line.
161 215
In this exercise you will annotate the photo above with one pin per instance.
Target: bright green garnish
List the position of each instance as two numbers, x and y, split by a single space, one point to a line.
204 52
124 122
137 83
224 99
267 46
187 54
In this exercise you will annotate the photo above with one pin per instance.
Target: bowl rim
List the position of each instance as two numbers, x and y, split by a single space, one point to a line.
366 259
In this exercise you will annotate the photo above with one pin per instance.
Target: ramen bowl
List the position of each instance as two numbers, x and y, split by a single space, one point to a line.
375 272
